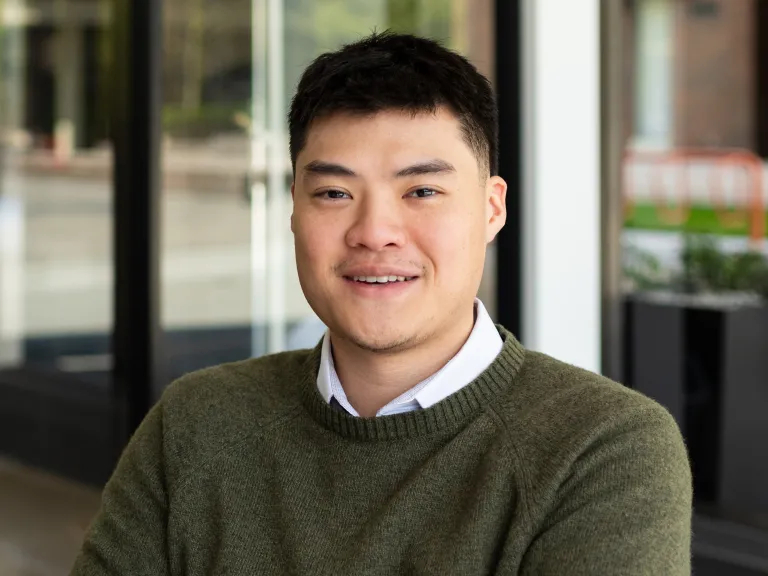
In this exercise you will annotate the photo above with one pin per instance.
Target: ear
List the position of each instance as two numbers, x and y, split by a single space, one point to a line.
496 207
293 197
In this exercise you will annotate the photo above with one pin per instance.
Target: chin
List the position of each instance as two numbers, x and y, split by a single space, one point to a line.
379 341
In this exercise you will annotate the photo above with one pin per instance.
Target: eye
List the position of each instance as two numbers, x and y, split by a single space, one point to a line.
422 193
333 195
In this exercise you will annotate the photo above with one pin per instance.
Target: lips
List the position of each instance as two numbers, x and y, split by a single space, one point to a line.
381 279
379 273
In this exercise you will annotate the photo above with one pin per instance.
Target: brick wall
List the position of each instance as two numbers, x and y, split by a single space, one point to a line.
714 73
629 83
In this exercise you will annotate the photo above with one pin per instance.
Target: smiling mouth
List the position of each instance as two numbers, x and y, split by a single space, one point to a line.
380 279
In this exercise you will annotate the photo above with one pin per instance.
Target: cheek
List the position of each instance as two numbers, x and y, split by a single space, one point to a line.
315 242
452 243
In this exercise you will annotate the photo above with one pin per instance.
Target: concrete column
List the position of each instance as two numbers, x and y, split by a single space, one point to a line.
561 179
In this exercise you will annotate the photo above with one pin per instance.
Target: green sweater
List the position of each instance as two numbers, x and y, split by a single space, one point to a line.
536 467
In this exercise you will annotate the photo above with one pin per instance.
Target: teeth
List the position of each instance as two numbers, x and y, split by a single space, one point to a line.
379 279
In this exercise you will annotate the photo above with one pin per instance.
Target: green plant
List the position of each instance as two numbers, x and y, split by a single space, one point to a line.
706 268
643 269
704 265
749 272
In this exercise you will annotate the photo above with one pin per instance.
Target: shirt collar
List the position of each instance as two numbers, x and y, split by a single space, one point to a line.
479 351
326 365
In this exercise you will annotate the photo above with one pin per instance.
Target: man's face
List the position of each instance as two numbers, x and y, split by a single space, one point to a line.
391 218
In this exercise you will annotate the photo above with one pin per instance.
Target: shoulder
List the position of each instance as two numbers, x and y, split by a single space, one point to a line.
256 388
541 386
604 470
207 411
575 396
558 414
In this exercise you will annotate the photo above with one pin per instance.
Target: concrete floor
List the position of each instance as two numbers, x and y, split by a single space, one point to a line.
42 521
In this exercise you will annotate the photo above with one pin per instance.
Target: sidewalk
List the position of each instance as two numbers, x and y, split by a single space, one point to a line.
221 166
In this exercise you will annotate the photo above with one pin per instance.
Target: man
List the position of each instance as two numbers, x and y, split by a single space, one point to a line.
417 437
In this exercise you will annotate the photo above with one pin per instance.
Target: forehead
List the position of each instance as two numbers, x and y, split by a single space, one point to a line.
386 139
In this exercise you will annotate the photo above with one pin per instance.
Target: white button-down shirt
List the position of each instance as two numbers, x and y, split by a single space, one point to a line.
479 351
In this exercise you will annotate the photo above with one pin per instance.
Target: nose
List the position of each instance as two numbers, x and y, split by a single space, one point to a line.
378 224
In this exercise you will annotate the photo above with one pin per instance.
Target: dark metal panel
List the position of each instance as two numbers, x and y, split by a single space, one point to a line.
57 422
702 355
744 481
703 566
136 132
658 355
508 73
627 341
727 548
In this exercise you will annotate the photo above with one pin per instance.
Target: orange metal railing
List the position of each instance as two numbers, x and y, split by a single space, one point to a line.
669 181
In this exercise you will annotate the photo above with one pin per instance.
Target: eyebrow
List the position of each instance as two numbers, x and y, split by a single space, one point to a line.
328 169
435 166
429 167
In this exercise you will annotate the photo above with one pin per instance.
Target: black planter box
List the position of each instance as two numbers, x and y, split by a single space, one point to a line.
705 358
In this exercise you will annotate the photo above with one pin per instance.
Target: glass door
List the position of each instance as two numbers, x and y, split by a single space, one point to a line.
56 265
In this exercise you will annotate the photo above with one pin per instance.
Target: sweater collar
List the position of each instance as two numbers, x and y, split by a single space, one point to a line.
477 353
449 413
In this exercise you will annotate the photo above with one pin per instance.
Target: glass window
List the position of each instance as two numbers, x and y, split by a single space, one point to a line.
230 288
695 254
56 266
55 188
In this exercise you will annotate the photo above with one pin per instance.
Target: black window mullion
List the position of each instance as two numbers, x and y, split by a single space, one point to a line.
136 130
508 92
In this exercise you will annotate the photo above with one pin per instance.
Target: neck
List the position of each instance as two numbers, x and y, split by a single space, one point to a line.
372 380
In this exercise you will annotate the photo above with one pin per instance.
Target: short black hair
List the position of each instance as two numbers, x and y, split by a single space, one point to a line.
388 71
